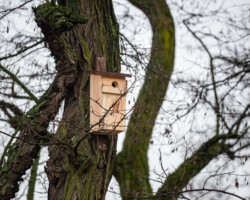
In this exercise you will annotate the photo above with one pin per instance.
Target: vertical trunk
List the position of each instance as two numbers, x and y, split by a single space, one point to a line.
77 169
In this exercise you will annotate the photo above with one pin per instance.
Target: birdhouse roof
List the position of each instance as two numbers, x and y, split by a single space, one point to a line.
110 74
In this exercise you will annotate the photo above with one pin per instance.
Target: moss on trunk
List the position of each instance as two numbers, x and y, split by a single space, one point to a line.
132 162
79 170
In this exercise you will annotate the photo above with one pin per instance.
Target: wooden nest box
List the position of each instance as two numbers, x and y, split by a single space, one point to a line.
107 102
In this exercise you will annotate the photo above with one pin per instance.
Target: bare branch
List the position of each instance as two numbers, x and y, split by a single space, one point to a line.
8 11
32 96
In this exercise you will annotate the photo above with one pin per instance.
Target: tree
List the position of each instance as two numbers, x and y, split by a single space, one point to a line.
75 32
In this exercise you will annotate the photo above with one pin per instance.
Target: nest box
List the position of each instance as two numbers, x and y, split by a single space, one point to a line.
107 102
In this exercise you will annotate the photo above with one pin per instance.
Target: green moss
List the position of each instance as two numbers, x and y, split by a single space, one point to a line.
73 7
85 49
68 50
32 181
58 17
64 132
126 173
133 162
73 180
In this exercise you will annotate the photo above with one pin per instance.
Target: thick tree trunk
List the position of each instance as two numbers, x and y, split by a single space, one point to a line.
79 170
76 169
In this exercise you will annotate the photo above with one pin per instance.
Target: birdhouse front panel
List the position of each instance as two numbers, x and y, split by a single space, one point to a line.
107 104
114 103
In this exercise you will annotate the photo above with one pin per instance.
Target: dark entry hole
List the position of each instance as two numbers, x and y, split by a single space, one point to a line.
114 84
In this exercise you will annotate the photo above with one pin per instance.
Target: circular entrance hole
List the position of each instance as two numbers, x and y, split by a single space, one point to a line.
114 84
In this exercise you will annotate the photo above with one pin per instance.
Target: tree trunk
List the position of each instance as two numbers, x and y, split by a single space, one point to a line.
132 162
77 169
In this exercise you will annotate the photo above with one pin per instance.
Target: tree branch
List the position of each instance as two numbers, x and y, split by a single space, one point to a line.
8 11
18 114
36 121
216 99
176 181
132 162
213 190
32 181
14 78
21 50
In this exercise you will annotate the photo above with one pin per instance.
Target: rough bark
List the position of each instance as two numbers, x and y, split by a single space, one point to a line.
132 169
83 171
86 170
33 129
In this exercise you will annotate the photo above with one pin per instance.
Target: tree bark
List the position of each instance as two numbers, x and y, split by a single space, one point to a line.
33 128
83 171
132 171
76 169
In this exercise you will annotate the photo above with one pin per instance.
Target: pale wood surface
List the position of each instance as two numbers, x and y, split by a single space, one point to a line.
95 99
107 99
110 74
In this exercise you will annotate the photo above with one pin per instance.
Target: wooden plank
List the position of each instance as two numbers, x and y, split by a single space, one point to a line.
100 63
110 74
117 112
121 84
95 99
112 90
114 117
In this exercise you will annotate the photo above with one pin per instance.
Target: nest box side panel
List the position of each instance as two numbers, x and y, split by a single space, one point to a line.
95 100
